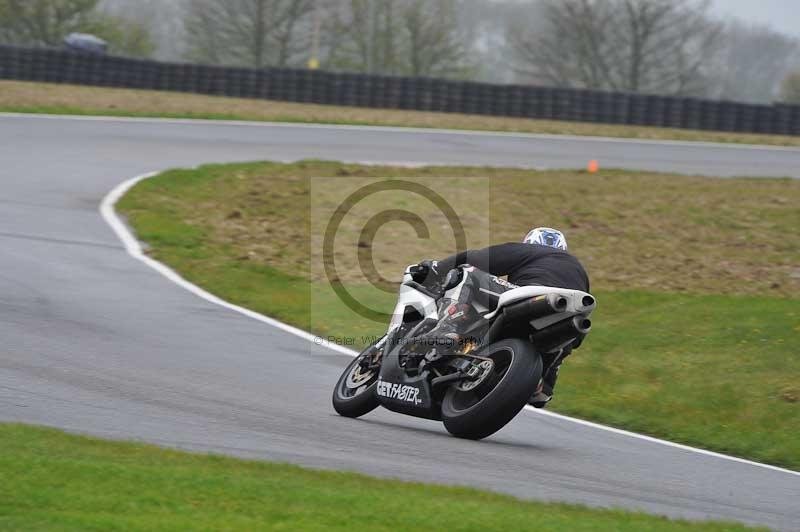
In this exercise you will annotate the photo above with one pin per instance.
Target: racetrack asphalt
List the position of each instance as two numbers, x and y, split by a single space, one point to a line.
96 342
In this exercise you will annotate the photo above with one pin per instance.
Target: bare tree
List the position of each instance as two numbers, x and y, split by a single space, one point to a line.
162 18
631 45
790 89
484 28
362 36
669 45
571 49
43 22
125 37
753 62
412 37
47 22
434 44
254 33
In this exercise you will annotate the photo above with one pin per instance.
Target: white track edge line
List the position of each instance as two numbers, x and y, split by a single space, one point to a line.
400 129
134 249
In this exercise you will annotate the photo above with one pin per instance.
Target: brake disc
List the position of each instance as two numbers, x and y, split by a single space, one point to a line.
477 374
358 377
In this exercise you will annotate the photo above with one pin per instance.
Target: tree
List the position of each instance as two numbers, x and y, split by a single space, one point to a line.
571 49
752 63
790 89
362 36
162 18
125 37
655 46
47 22
434 46
43 22
483 26
255 33
408 37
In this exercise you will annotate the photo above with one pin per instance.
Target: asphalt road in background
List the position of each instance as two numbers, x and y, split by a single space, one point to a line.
96 342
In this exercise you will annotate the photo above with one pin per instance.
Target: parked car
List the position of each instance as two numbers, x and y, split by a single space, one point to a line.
85 43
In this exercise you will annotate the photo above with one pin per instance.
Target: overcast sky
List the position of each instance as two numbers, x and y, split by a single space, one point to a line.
784 15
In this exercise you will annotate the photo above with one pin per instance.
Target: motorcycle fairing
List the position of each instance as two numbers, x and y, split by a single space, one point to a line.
400 392
412 394
412 299
576 303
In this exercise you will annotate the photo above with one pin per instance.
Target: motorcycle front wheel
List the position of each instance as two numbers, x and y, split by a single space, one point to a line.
354 394
480 411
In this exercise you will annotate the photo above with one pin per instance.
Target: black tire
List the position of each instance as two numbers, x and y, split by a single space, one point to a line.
481 412
355 402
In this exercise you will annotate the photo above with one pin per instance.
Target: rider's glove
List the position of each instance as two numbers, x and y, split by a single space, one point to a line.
426 268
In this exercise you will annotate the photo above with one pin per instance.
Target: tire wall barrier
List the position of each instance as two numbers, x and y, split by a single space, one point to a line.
392 92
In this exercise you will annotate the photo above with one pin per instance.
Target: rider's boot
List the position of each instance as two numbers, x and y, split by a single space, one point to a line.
544 391
454 319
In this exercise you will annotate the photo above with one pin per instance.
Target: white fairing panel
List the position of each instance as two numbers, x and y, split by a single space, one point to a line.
576 300
427 308
410 297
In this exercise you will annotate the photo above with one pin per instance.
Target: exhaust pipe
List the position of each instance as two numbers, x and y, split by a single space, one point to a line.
557 334
582 324
535 308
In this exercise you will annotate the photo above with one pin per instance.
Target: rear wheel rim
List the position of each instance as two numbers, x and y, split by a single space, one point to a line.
464 400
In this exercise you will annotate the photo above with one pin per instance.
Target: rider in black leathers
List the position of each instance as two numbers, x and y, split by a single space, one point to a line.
541 259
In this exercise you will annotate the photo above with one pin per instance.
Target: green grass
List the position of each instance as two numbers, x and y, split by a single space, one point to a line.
55 481
51 98
715 370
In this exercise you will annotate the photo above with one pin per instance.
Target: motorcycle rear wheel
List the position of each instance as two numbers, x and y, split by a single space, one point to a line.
354 394
482 411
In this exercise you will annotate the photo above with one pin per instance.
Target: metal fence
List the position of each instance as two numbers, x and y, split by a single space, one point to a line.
391 92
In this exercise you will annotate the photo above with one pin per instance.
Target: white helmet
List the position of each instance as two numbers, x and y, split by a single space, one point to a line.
546 236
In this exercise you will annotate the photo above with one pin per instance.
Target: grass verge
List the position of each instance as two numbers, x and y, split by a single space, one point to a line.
693 334
56 481
27 97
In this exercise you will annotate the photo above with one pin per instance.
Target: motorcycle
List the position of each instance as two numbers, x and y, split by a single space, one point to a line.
478 386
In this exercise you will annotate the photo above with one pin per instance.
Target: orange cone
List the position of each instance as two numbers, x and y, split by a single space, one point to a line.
593 166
